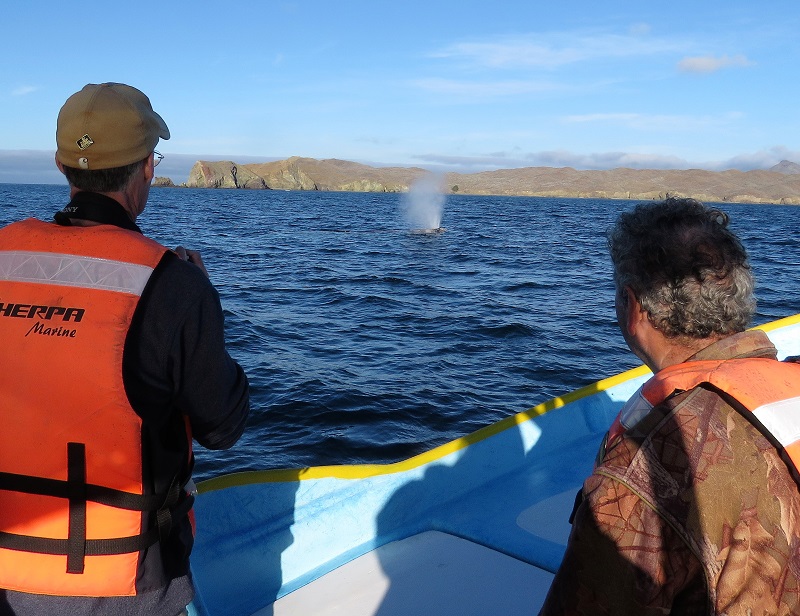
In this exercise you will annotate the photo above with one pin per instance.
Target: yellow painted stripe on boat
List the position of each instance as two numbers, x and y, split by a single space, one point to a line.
784 322
362 471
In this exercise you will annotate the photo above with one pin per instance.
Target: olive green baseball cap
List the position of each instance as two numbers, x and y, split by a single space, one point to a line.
107 125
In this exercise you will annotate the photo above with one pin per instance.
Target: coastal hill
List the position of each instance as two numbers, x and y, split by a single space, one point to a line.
780 184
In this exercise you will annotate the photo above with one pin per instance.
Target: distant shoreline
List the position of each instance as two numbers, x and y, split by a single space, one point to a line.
779 185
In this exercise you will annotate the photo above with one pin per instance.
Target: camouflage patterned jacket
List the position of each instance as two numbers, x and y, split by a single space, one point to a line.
691 512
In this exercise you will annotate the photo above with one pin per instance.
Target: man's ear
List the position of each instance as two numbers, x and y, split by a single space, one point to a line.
634 313
59 165
149 169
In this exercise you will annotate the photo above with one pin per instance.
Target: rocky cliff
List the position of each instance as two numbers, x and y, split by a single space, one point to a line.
223 174
781 184
303 174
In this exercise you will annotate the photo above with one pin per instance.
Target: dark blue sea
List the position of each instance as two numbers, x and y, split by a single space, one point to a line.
367 343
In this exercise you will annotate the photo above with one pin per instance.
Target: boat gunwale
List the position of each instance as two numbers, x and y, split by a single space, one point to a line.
362 471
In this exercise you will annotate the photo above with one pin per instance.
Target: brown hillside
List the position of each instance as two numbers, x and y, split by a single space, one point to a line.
780 185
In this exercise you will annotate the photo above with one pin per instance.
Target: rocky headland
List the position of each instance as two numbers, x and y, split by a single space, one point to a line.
780 184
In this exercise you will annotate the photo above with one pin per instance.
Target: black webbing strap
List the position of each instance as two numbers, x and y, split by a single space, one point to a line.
167 507
92 547
76 480
58 488
165 514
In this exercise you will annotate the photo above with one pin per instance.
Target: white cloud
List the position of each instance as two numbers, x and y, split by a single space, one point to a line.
552 50
763 159
375 140
488 89
606 160
602 117
712 64
23 90
512 54
555 158
639 121
467 164
29 167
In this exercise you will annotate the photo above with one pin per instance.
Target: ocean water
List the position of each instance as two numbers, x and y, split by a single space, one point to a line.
367 343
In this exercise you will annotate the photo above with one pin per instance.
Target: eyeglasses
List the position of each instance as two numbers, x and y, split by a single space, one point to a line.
157 158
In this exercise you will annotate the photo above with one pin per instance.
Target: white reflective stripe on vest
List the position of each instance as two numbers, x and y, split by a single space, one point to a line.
73 271
782 419
635 409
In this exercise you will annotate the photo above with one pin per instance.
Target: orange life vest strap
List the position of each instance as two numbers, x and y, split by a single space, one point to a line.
763 391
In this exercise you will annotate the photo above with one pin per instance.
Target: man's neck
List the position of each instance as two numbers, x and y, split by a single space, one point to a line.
663 352
119 196
87 209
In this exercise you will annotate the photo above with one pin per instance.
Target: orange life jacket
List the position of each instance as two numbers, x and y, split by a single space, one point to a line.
76 509
768 392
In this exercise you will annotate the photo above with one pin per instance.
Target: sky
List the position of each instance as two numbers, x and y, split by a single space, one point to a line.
451 85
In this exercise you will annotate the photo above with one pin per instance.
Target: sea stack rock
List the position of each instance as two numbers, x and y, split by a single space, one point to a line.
223 174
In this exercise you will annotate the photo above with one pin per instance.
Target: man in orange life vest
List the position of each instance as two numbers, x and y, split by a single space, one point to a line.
693 506
113 358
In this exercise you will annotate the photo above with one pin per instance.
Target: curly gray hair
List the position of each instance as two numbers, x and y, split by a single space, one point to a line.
685 267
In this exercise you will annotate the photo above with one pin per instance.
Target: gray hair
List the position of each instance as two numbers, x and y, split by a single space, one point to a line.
685 267
115 179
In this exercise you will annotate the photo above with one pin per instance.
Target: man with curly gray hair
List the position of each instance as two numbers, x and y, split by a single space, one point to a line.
686 267
693 506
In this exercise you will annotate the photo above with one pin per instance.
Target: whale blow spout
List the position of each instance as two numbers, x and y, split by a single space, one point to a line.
423 205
